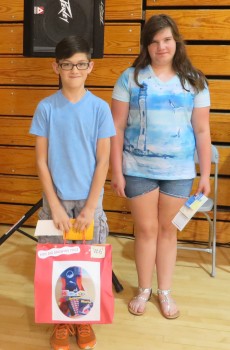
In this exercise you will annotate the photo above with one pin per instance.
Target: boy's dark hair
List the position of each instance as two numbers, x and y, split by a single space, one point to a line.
70 45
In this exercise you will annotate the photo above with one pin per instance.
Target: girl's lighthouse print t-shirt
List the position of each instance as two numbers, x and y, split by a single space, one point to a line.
159 141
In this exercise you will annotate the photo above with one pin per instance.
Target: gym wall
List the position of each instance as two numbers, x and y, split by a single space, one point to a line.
26 78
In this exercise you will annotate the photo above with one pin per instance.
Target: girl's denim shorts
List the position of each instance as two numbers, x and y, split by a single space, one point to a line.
137 186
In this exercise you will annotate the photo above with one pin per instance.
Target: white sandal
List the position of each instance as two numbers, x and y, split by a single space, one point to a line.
140 300
168 301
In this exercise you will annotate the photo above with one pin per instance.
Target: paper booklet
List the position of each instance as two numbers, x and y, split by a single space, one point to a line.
47 228
188 210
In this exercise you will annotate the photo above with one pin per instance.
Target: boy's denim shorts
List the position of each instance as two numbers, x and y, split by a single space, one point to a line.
73 208
137 186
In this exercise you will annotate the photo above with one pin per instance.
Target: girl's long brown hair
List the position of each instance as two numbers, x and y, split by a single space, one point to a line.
181 63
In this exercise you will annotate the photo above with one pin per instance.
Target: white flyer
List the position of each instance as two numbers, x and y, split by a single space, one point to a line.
188 210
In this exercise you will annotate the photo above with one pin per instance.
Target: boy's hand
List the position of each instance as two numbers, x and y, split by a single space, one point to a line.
84 219
61 220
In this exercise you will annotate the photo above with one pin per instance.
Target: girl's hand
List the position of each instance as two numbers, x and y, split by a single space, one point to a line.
118 185
204 186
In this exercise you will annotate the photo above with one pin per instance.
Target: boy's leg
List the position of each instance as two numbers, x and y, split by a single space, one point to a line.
59 339
101 229
85 335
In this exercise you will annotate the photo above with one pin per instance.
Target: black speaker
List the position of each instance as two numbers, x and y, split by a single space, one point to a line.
46 22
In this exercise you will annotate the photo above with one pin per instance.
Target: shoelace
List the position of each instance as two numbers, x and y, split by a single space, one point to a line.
62 330
84 330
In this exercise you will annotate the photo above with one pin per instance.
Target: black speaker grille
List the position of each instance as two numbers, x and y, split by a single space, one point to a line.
56 19
46 22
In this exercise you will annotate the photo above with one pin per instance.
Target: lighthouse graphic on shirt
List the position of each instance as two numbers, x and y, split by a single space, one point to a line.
141 144
140 147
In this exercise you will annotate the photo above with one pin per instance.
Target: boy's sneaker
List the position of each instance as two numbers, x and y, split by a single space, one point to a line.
60 337
85 336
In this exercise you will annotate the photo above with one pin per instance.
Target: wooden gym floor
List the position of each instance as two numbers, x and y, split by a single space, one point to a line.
204 303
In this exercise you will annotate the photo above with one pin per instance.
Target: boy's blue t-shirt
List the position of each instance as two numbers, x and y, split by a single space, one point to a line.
72 130
159 140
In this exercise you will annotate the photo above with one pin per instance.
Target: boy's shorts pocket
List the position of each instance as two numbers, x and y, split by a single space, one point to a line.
101 229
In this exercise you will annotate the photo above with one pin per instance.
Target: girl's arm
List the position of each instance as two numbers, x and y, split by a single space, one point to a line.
200 123
120 112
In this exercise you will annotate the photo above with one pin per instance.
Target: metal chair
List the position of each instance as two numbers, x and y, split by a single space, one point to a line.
209 207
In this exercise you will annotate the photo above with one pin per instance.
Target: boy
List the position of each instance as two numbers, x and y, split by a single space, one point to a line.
73 129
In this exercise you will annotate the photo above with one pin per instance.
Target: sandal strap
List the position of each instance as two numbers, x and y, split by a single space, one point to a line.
138 302
164 292
142 291
167 300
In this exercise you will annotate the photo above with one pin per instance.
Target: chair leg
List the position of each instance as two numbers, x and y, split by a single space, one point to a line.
212 243
213 273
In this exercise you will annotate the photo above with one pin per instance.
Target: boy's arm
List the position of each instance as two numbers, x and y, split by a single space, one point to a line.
59 216
102 165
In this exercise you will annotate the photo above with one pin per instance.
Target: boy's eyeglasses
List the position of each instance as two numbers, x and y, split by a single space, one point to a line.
79 65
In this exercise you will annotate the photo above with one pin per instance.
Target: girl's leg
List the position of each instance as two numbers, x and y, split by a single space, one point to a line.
144 211
167 252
